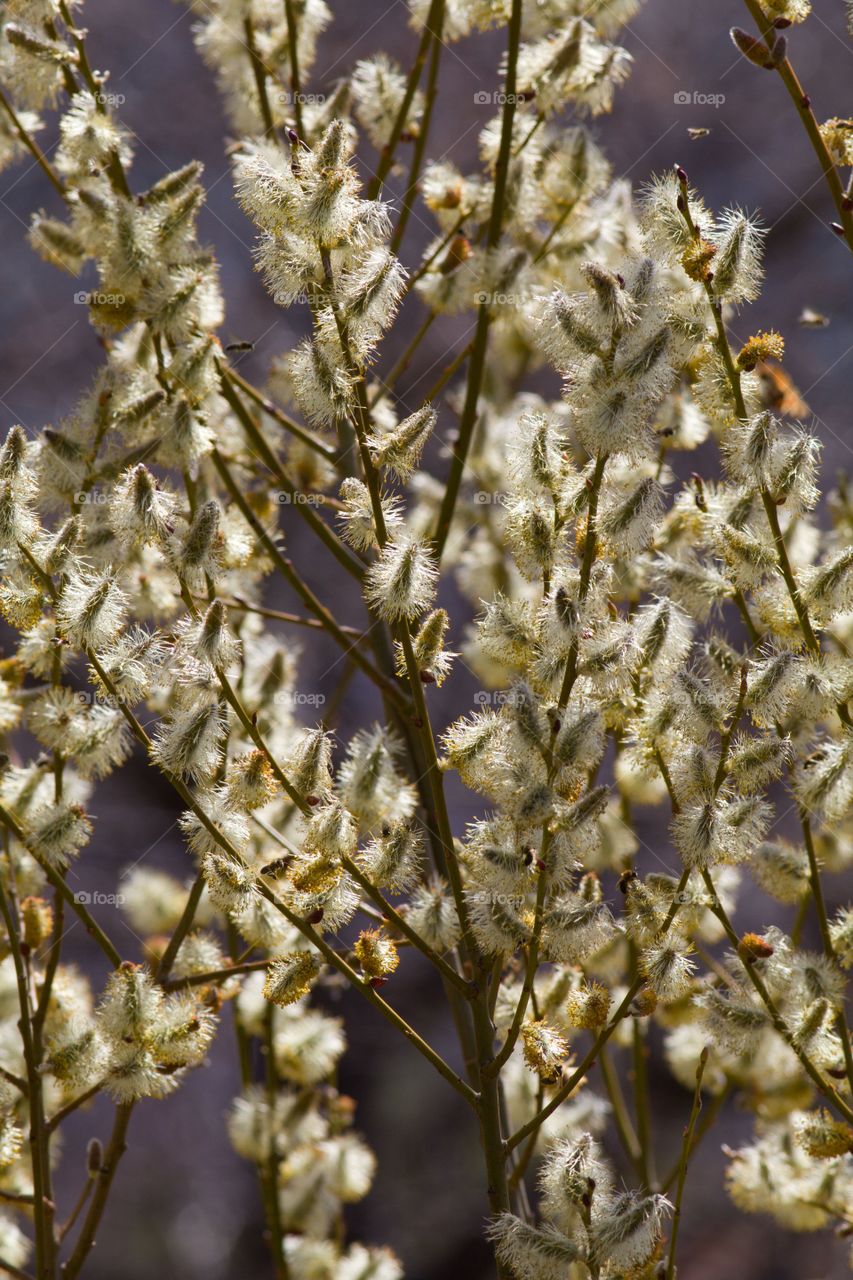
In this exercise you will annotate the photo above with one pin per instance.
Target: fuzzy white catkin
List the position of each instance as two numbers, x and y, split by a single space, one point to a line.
604 636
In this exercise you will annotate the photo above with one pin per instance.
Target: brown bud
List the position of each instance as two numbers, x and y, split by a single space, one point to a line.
753 947
644 1003
37 919
94 1157
753 49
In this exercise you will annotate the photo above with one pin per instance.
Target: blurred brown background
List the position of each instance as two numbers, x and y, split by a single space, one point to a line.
184 1206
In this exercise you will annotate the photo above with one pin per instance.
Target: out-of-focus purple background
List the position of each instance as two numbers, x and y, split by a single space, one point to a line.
184 1206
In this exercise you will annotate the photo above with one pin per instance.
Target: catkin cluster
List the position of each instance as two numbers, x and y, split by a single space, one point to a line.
640 640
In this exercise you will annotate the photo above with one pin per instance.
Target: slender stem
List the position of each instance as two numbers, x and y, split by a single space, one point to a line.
419 151
293 57
287 423
822 1084
601 1039
301 502
112 1155
709 1115
214 976
624 1126
683 1162
238 603
285 567
32 146
57 1118
91 925
476 369
386 158
802 102
400 923
260 74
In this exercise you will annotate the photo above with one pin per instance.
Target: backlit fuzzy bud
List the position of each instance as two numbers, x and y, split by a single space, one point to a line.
793 480
579 744
190 744
823 1137
309 766
89 136
588 1007
132 664
532 536
356 518
60 832
250 783
695 586
209 639
538 1253
748 560
184 1032
720 830
432 914
332 831
76 1055
91 609
290 977
152 900
824 779
782 870
37 920
498 922
393 859
749 449
378 87
199 554
57 244
627 1234
401 583
370 784
737 265
140 510
574 1171
838 136
668 969
432 660
841 932
376 954
230 885
575 930
829 587
131 1005
60 549
399 450
754 763
545 1050
627 525
773 683
368 295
